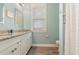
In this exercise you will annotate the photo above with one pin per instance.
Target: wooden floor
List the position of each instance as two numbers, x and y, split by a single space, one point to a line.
43 51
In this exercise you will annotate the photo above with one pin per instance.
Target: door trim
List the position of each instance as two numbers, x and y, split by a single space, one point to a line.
61 29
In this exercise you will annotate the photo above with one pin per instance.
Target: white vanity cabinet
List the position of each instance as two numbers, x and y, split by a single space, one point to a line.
19 45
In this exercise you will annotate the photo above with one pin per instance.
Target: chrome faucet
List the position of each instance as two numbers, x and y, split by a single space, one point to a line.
10 31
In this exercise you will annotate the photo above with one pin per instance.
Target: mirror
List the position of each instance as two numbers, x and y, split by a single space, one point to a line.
1 13
19 20
11 17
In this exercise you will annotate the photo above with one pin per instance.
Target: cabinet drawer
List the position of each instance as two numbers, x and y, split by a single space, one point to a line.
9 50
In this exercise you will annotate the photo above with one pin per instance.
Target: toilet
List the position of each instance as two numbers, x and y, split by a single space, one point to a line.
57 42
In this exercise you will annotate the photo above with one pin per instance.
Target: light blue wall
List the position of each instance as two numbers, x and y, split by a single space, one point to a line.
53 22
53 26
27 16
39 38
1 8
10 23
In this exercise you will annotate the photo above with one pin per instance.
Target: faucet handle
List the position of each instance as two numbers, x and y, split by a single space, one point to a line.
11 31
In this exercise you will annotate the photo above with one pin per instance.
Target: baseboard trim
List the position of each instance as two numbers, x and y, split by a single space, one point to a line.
45 45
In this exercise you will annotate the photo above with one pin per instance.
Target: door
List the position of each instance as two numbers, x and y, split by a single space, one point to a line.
72 29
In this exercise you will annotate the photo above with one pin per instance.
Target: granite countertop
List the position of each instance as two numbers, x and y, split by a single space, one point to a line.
5 35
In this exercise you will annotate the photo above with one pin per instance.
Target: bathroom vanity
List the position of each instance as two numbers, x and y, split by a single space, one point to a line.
16 44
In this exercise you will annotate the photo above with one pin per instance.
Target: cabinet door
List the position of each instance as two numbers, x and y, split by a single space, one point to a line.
30 37
26 43
23 45
29 41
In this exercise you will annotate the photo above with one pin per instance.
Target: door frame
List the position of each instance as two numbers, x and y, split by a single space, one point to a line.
61 29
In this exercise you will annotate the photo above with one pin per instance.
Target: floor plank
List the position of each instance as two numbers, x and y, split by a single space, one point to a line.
43 51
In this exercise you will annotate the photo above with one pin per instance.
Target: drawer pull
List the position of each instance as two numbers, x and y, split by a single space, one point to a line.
17 42
15 49
12 51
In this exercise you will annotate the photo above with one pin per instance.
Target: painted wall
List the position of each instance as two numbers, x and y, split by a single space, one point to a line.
53 26
1 9
53 22
27 16
10 23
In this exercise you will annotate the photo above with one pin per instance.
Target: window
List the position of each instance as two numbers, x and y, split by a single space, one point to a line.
39 21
